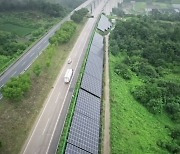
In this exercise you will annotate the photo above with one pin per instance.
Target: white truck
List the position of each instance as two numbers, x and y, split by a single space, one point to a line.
68 75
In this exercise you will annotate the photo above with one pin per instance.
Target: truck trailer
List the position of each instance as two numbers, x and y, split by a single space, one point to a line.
68 75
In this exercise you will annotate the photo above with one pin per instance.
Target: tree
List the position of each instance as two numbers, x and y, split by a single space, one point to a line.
79 15
37 70
16 88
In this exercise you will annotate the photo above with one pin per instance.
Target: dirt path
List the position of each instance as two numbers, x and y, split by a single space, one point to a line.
106 147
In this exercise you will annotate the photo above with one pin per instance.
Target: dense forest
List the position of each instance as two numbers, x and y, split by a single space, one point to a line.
151 52
71 3
23 4
55 10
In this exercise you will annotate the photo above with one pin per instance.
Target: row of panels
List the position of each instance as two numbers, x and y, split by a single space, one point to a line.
104 23
84 132
85 128
92 79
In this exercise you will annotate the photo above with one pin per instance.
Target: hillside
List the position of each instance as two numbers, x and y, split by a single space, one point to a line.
145 86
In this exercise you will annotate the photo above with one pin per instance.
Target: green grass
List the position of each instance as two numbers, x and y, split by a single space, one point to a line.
133 129
4 60
162 5
175 1
140 6
21 31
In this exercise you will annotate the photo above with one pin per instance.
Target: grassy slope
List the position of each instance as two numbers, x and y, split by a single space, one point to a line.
133 129
140 6
17 118
22 31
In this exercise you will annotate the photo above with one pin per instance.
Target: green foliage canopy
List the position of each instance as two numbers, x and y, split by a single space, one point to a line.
79 15
15 89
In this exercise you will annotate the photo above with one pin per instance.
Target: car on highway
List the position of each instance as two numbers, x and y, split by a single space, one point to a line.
69 61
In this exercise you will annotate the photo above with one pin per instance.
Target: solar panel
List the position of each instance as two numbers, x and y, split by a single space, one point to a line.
95 59
104 23
99 51
85 128
92 85
94 70
71 149
97 40
88 105
84 133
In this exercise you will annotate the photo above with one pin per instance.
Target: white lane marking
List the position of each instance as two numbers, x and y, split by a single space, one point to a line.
27 67
44 41
43 110
30 51
45 126
57 98
32 54
13 74
65 98
23 63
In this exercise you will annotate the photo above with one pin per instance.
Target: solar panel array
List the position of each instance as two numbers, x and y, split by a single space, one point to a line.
85 128
92 79
104 23
88 105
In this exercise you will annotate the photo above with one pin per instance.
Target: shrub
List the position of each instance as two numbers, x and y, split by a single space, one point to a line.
123 71
17 87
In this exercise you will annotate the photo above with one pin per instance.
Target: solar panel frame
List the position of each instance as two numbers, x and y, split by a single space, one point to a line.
99 51
92 85
88 105
104 23
97 40
84 133
94 70
71 149
95 59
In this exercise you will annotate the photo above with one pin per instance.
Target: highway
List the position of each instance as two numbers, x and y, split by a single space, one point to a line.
43 139
28 58
110 5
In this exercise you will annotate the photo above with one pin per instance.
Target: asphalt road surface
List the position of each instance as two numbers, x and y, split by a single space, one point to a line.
28 58
44 136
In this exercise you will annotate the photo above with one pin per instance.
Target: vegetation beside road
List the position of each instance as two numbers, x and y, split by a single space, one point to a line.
145 104
18 30
144 7
64 34
17 117
79 15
